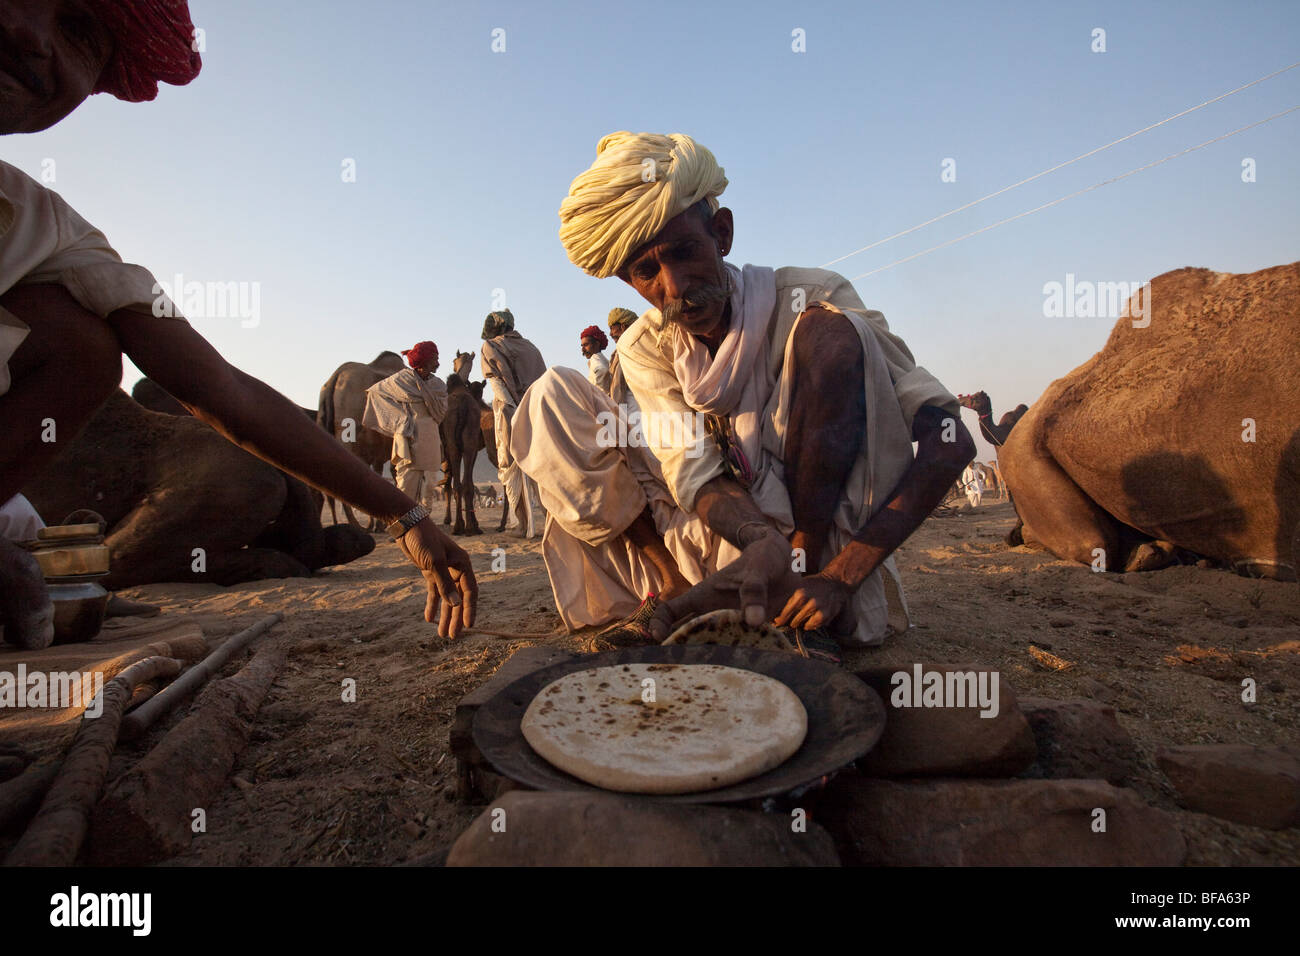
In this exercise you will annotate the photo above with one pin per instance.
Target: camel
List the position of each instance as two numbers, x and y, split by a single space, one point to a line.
154 397
339 411
182 503
461 436
462 439
995 435
1182 435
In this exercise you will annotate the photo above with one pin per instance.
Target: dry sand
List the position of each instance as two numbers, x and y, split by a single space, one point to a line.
371 782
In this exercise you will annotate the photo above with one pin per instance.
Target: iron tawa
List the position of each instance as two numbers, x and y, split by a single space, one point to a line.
845 720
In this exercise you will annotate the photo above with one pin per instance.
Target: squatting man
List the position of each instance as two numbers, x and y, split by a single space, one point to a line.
791 502
70 308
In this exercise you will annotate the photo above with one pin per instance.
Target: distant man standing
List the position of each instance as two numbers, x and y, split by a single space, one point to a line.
973 479
512 363
410 405
619 320
594 343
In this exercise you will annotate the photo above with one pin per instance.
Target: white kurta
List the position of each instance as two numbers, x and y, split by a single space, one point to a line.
512 363
594 492
598 371
973 479
44 240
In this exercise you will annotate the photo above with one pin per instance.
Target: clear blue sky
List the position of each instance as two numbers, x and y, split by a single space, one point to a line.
463 155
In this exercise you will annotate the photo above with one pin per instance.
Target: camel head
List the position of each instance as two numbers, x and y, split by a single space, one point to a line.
454 382
462 364
977 402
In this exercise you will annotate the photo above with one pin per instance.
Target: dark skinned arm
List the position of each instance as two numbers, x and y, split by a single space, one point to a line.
821 598
763 577
263 422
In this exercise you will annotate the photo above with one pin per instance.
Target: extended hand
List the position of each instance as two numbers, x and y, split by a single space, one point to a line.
453 590
815 603
756 582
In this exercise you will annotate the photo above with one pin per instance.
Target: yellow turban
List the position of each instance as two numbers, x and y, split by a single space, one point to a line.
638 182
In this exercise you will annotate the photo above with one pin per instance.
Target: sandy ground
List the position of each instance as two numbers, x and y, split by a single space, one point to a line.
329 782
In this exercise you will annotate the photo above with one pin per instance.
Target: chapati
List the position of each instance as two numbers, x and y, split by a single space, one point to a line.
694 727
727 628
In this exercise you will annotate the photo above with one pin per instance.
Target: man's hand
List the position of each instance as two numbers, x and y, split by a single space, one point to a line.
757 582
453 590
817 602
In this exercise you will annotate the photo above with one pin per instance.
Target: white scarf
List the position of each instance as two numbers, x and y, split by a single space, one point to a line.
737 382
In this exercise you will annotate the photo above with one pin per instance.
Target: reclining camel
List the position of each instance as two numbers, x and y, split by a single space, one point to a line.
1184 434
184 504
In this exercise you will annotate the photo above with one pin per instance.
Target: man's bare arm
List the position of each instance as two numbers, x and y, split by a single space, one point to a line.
937 464
250 413
265 423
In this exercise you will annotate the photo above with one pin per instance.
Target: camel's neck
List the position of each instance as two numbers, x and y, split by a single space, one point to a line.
996 433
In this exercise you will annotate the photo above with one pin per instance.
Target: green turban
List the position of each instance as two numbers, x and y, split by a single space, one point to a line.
498 323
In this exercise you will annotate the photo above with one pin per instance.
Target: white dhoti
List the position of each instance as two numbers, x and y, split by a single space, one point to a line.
417 460
520 490
592 490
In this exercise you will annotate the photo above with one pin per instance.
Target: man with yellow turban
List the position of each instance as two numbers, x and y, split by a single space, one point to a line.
778 409
619 321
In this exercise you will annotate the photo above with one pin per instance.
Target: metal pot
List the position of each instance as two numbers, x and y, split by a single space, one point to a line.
79 606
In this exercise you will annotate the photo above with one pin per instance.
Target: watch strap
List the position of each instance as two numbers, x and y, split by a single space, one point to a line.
408 521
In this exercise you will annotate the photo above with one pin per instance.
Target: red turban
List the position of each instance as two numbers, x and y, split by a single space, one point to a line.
419 353
595 332
155 41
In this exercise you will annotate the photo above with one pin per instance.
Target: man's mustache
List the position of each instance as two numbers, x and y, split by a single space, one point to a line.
699 297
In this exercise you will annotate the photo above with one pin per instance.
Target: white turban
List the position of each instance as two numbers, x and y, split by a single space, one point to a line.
638 182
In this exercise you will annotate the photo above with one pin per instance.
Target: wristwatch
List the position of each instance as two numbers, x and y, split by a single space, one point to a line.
408 521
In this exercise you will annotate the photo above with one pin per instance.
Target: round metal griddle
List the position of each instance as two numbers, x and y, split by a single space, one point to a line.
845 719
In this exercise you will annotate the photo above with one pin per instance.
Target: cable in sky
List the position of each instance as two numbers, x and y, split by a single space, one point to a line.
1093 152
1080 192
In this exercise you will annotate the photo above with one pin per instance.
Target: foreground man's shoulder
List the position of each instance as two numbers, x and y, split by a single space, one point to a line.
810 279
641 340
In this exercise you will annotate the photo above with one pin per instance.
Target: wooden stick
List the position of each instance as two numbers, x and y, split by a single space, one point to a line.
21 796
55 836
140 719
148 813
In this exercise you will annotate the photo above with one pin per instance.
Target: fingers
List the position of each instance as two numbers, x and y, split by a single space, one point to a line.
753 599
432 600
661 625
469 595
803 610
792 606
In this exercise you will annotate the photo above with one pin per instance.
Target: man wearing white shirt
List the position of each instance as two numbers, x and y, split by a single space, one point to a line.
594 343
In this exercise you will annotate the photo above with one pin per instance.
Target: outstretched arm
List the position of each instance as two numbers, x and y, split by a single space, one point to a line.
262 421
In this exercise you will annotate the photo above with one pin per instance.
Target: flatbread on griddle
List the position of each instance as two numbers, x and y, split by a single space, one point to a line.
708 726
727 628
